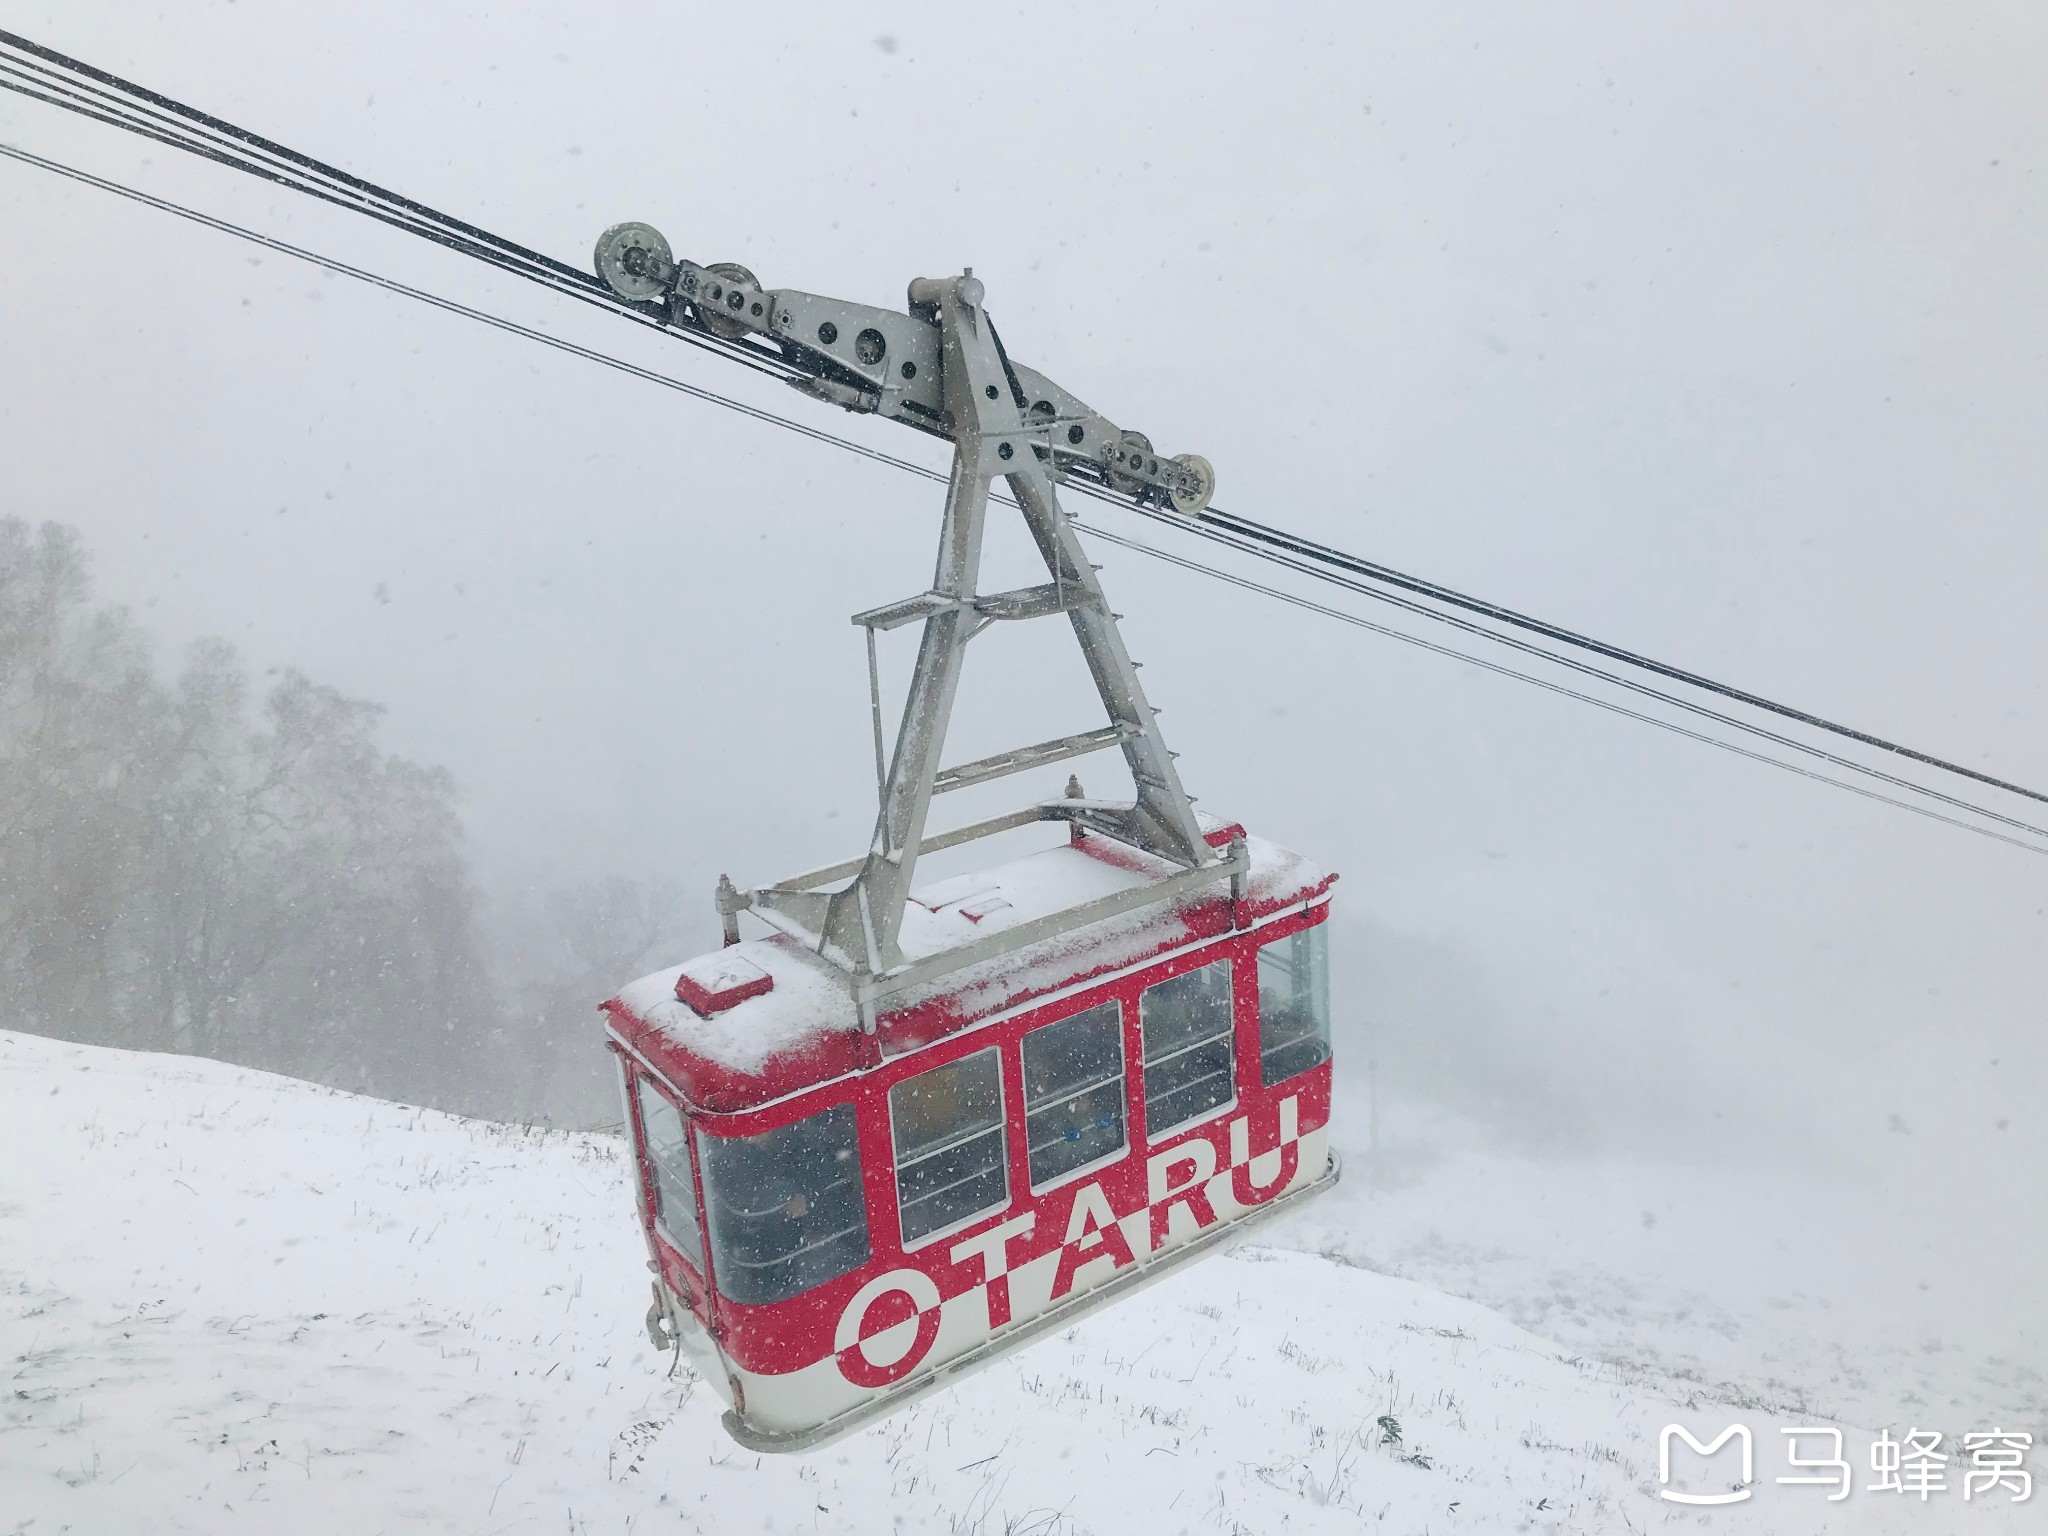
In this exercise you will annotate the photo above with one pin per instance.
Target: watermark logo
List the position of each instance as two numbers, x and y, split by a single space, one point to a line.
1915 1465
1679 1432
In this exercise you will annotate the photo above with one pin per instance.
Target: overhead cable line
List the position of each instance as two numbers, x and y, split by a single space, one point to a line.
42 74
1623 710
392 285
925 471
110 99
1337 559
49 62
1586 669
1242 535
126 104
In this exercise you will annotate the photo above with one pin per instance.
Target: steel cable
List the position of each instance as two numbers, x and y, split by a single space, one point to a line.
1243 535
107 99
1337 559
481 243
1586 669
392 285
1554 687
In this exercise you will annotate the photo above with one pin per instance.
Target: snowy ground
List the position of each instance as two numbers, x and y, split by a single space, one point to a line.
1861 1294
231 1302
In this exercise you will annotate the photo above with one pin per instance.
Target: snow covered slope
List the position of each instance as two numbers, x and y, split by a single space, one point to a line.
231 1302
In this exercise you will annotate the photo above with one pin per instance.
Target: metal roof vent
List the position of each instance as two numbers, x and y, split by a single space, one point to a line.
721 981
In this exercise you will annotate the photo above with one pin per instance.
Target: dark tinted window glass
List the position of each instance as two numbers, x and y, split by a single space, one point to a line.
1294 1004
1189 1061
787 1209
950 1158
1074 1091
675 1191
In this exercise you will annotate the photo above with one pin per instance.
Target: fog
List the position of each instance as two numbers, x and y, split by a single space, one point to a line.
1717 334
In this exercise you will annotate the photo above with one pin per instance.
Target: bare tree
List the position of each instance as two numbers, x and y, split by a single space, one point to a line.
77 705
285 895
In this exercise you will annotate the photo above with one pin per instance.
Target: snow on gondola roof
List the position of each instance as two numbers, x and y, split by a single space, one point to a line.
806 1030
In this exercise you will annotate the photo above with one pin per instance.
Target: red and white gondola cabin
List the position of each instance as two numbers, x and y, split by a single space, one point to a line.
842 1218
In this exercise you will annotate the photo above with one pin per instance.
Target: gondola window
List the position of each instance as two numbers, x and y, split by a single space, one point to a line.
1189 1061
787 1210
1074 1092
1294 1005
675 1188
950 1156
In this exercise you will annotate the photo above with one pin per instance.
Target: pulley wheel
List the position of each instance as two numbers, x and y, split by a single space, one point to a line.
1136 447
718 318
634 261
1194 485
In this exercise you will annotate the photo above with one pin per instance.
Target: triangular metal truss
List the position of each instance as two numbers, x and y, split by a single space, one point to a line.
996 437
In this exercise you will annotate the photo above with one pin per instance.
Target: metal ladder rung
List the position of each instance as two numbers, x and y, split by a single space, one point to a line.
1033 602
1024 758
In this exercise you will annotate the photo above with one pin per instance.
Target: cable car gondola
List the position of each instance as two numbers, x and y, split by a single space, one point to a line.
913 1126
843 1218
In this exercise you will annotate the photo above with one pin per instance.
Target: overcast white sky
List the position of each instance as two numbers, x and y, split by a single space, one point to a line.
1719 333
